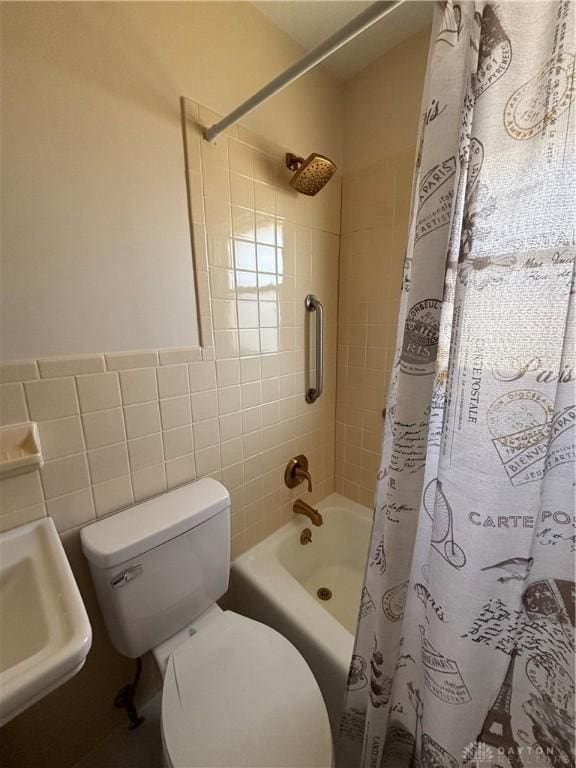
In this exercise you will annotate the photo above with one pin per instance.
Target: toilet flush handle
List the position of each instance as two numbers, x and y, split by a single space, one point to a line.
125 576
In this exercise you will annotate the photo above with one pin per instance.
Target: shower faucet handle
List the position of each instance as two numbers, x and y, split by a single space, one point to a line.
302 475
297 471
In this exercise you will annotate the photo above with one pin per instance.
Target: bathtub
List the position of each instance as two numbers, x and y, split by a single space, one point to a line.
277 582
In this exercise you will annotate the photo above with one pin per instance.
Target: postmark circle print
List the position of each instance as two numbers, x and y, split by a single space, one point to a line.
540 101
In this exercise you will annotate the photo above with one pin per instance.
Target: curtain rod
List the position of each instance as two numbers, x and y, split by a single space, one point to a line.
348 32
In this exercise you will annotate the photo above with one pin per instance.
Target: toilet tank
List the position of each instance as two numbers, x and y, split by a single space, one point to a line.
158 565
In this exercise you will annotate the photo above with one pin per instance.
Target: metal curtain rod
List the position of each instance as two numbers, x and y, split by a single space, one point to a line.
348 32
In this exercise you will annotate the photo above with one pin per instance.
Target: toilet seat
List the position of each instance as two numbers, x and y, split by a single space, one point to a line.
237 693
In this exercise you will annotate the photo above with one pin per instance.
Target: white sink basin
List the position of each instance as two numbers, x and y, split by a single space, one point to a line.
45 634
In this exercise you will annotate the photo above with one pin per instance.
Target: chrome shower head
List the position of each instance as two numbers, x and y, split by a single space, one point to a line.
311 174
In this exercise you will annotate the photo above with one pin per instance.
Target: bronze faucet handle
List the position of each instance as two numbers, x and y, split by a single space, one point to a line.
303 475
297 471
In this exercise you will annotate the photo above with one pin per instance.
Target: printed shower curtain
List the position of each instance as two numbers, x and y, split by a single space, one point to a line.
465 645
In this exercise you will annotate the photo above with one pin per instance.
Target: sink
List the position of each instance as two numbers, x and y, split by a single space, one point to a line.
45 634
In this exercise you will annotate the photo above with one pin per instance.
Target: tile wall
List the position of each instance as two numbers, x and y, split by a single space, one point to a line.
382 106
119 428
373 241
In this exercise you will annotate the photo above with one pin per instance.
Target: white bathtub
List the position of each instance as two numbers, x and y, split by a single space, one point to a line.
276 582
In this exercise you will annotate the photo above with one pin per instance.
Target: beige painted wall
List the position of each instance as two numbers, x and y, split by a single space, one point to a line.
90 104
382 104
120 428
382 107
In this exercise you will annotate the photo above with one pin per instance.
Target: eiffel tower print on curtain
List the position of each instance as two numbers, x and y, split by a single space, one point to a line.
497 728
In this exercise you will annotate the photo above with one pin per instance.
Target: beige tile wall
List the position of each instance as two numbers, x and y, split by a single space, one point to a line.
382 106
117 429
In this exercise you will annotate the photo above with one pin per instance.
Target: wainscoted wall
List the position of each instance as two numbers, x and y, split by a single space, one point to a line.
382 107
118 428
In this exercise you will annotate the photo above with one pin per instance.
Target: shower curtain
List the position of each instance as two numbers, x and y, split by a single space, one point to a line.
464 652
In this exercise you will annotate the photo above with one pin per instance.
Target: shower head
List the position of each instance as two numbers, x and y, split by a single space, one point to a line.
311 174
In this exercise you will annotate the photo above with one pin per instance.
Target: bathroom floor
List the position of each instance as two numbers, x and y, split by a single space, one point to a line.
141 748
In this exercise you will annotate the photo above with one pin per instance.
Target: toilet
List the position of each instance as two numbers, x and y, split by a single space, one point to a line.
235 692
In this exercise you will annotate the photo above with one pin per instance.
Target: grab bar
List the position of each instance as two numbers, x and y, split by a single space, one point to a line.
313 305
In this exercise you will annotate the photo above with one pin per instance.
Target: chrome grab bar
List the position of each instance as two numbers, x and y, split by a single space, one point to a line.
313 305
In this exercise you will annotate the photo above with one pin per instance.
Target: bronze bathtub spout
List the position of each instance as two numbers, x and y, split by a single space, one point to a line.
301 508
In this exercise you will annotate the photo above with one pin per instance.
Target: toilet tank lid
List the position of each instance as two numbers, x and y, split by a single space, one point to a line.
137 529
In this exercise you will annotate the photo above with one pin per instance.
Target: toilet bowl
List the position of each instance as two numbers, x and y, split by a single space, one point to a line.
235 691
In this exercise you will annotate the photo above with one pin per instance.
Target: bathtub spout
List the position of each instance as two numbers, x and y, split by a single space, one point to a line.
301 508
